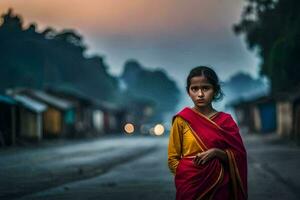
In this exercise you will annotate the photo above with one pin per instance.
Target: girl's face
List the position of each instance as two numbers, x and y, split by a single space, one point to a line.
201 91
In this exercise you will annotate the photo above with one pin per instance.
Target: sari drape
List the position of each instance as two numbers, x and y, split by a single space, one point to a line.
214 179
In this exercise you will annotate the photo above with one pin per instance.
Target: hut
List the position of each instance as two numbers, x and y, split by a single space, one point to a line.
284 109
244 112
279 113
288 113
108 117
83 106
59 118
92 115
259 114
30 117
296 120
7 120
98 120
266 114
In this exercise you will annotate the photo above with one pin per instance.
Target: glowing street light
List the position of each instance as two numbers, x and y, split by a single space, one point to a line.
129 128
159 129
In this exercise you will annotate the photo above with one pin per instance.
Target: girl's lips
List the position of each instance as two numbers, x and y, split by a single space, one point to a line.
200 101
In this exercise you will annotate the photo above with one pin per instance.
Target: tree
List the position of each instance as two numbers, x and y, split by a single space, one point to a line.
29 58
272 27
20 55
154 86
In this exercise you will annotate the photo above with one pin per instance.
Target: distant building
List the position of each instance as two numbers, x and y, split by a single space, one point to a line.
296 119
288 114
30 117
83 109
59 118
8 124
259 114
279 113
108 117
92 115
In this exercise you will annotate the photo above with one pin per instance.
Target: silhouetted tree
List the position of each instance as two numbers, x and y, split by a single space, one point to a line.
243 86
50 58
272 27
155 86
20 55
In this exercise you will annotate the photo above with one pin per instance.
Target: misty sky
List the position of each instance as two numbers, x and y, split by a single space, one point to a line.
175 35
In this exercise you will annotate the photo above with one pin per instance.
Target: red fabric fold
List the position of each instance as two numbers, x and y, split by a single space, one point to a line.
213 180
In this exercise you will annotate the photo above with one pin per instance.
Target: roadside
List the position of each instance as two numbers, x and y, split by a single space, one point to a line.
28 170
273 167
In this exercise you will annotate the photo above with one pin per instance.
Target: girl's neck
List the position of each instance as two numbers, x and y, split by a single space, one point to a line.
207 110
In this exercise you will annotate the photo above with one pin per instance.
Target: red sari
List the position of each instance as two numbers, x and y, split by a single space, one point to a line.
214 179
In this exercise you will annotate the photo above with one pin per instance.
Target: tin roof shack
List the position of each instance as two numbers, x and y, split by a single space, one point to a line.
59 118
288 113
259 114
83 108
108 117
92 115
245 113
265 114
98 120
296 119
8 108
30 117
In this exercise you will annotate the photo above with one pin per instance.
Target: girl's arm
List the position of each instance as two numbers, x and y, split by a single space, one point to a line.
221 155
174 148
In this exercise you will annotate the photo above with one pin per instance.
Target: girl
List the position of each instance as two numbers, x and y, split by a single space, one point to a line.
206 153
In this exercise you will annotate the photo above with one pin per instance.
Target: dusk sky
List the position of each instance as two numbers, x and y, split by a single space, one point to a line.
175 35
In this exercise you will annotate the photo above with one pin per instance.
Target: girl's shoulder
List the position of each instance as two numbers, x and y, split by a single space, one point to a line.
180 123
226 121
178 120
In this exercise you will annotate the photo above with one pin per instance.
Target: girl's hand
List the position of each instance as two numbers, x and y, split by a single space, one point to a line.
204 157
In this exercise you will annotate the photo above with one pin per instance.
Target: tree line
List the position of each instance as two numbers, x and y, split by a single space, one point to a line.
50 58
272 29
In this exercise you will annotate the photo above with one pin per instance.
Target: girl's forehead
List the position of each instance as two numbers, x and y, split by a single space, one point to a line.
200 80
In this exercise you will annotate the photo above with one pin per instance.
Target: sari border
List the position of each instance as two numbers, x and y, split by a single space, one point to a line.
206 118
217 187
220 177
198 139
238 174
232 173
214 115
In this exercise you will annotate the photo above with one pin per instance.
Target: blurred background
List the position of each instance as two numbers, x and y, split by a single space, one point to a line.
88 91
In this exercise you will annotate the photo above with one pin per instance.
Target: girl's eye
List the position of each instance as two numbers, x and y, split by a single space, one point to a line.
194 89
205 88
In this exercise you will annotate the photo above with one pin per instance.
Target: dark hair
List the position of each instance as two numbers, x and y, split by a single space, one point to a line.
210 75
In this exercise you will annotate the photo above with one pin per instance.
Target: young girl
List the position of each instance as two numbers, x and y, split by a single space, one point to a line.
206 153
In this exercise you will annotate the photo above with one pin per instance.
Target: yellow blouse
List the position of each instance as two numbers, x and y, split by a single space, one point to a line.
182 143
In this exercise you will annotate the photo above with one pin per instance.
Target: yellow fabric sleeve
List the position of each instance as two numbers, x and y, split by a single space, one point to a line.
181 143
175 141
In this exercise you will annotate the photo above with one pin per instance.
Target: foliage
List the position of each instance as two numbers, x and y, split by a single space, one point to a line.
272 27
154 85
29 58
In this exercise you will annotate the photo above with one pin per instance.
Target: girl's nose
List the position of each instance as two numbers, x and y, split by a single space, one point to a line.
200 93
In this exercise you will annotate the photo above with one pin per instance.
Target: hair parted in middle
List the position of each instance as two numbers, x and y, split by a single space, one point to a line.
211 77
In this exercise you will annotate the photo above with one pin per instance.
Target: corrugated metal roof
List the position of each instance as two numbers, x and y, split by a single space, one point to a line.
52 100
7 99
31 104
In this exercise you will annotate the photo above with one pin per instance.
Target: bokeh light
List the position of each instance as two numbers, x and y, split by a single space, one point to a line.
129 128
159 129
